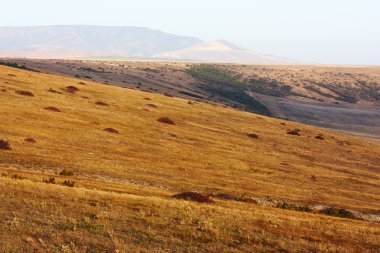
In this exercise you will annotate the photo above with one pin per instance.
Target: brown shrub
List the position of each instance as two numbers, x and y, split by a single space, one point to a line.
111 130
30 140
54 91
166 120
253 136
224 196
147 99
4 145
82 83
194 196
25 93
3 90
65 172
152 105
168 95
68 183
50 180
294 132
12 75
190 103
53 109
101 103
319 137
71 89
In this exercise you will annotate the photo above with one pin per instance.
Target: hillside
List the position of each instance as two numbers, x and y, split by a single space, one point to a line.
343 98
92 167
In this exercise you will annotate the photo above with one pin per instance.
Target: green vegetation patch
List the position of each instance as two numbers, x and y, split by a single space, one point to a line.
221 81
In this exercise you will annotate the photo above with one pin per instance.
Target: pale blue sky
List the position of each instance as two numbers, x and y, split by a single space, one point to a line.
324 31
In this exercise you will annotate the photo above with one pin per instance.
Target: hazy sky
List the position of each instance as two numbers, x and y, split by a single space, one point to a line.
324 31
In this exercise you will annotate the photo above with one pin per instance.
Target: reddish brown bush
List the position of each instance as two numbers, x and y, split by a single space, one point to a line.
194 196
53 109
25 93
168 95
30 140
101 103
4 145
71 89
253 136
166 120
85 97
190 103
82 83
111 130
147 99
319 137
152 105
3 90
11 75
294 132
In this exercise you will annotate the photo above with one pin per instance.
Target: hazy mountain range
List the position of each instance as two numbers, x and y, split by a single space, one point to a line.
119 42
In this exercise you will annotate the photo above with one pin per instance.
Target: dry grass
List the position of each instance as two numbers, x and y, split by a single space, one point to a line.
123 182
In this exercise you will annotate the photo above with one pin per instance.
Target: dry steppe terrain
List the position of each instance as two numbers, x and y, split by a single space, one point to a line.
344 98
89 167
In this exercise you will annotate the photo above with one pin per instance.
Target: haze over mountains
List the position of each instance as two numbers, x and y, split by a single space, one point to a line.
119 42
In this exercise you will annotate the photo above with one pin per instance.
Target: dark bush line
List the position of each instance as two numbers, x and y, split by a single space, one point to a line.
341 213
194 196
15 65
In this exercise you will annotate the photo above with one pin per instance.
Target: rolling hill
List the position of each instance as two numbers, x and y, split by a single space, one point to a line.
221 51
344 98
93 167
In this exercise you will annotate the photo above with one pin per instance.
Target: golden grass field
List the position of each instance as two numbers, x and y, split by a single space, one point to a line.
121 201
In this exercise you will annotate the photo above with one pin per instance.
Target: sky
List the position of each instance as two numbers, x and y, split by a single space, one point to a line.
315 31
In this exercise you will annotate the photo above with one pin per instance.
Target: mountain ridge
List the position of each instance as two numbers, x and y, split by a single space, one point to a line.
88 41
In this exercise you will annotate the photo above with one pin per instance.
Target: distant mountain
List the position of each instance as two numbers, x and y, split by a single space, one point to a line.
119 42
92 40
221 51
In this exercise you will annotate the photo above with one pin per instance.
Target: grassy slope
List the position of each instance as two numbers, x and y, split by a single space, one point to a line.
207 150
